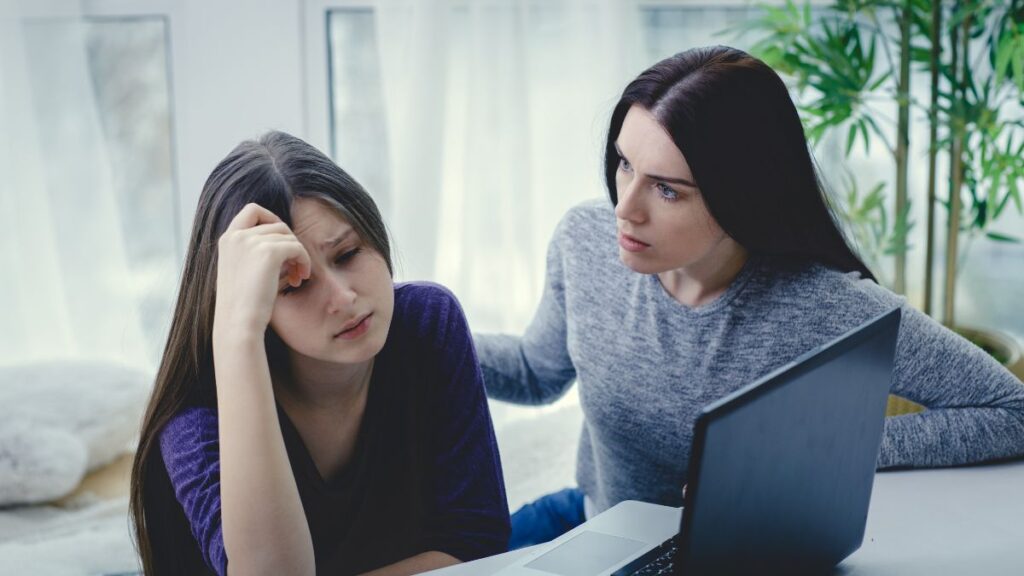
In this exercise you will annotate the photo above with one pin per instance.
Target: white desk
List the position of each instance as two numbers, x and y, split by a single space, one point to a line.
943 522
960 521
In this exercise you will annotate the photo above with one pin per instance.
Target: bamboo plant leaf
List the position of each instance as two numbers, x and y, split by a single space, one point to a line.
1017 63
1003 54
997 237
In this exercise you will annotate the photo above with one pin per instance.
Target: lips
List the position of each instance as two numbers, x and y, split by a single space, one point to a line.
632 244
355 327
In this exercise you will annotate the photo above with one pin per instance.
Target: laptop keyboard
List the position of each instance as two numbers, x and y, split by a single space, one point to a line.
655 562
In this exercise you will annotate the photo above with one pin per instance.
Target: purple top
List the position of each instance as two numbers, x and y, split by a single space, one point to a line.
425 474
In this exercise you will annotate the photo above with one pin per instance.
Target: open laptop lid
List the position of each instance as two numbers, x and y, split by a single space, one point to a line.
809 433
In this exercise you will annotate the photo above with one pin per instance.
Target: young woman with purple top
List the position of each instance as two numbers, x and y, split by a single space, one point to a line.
310 416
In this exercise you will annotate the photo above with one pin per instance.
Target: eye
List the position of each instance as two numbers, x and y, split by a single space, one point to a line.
624 165
345 257
666 192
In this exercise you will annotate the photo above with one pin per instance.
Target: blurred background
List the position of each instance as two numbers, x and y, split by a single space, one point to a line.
475 124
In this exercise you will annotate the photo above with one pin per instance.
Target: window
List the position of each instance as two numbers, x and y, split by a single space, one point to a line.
100 94
357 107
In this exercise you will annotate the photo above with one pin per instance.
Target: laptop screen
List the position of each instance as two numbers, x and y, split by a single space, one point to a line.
781 472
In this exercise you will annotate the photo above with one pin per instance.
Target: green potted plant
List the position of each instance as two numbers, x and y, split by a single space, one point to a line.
850 65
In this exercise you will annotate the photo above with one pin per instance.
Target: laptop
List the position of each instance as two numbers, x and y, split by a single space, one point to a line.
779 481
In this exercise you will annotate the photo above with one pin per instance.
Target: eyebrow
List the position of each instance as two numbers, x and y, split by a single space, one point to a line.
334 241
682 181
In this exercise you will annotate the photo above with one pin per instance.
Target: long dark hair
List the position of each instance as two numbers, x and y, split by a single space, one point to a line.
272 171
732 118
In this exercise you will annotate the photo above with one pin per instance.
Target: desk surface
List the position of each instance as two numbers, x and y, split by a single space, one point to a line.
954 521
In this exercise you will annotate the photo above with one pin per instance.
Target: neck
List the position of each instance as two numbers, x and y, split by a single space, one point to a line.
314 385
704 281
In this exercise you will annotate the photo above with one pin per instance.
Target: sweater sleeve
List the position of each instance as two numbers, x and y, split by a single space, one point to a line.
468 515
190 448
975 406
534 368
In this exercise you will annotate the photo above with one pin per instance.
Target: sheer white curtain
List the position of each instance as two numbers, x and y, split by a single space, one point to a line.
65 289
496 112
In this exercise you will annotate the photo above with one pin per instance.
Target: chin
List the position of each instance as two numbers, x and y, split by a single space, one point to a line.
639 265
361 350
348 356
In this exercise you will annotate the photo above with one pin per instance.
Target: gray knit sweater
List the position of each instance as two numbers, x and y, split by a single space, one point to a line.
647 364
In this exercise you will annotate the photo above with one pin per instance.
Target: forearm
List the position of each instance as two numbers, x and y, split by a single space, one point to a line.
534 368
264 525
975 406
415 565
510 377
951 437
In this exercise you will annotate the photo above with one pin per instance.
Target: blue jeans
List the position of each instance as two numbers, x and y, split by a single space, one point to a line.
547 518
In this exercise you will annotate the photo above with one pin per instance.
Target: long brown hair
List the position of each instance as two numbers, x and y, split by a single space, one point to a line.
733 119
272 171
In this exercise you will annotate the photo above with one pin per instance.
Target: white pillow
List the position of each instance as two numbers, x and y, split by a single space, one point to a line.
62 419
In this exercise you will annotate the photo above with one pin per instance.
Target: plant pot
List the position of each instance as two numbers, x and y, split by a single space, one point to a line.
1001 346
898 406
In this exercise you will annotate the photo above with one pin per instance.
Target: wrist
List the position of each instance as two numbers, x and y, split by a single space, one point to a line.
236 333
234 353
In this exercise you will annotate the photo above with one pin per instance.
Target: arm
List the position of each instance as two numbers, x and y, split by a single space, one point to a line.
190 445
534 368
467 512
415 565
264 526
191 455
975 405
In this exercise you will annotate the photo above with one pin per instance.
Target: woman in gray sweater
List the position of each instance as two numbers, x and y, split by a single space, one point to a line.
716 261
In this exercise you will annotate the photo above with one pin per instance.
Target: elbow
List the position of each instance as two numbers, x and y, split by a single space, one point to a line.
530 391
262 565
271 561
547 392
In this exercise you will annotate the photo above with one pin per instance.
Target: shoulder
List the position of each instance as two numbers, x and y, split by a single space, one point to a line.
427 310
828 289
584 244
593 210
191 426
587 221
425 298
816 303
190 444
430 334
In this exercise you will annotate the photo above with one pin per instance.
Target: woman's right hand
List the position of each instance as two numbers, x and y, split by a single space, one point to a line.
256 254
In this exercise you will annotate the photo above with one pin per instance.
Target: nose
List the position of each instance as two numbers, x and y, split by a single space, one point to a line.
340 296
629 207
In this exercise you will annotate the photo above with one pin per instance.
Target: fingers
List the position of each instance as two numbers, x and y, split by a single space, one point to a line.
293 274
257 232
295 271
303 266
252 215
258 228
274 228
295 262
